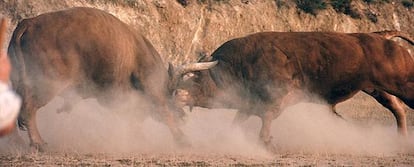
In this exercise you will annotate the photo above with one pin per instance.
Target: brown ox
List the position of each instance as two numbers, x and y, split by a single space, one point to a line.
90 52
263 73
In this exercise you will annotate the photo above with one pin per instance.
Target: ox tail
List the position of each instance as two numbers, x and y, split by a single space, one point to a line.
393 34
18 73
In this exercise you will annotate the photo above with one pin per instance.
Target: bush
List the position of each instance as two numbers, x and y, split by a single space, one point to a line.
341 5
371 16
376 1
407 3
209 1
344 6
281 3
369 1
311 6
183 2
127 3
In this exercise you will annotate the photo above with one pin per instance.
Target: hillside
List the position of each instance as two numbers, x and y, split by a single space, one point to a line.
180 32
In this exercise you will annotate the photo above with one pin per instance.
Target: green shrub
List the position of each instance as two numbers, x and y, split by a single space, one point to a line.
128 3
407 3
311 6
341 5
371 16
369 1
280 3
209 1
377 1
344 6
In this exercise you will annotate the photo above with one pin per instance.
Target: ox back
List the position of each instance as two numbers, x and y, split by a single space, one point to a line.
330 65
88 51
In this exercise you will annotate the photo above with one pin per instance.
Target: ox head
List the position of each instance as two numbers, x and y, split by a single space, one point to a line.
188 81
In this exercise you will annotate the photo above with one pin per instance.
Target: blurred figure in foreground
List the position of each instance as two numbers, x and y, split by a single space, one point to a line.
9 101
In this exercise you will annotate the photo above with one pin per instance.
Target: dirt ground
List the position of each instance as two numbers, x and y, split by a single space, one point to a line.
188 159
305 135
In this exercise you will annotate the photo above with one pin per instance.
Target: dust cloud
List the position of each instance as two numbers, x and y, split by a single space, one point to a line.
304 128
310 127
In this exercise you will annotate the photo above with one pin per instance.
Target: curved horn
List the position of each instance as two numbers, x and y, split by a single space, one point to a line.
195 67
176 74
3 29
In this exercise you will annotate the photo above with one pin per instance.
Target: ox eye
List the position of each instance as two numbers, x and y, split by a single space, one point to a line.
188 76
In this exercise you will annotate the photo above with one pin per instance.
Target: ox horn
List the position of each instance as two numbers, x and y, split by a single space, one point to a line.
205 57
3 29
195 67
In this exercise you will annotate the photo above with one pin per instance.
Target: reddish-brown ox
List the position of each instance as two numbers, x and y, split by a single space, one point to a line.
263 73
92 53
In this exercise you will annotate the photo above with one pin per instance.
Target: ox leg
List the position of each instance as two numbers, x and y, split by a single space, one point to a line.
70 98
395 105
168 117
240 118
292 97
166 111
27 120
264 135
172 124
36 141
333 109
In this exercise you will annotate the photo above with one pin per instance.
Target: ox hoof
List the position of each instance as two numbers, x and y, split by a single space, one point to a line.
38 147
269 146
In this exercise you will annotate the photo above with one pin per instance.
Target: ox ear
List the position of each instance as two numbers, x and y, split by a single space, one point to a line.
204 57
170 70
188 76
